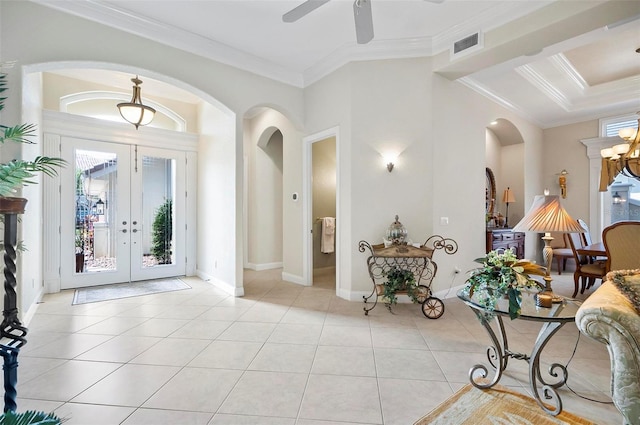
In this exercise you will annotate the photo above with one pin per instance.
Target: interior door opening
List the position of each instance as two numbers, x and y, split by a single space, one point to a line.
324 221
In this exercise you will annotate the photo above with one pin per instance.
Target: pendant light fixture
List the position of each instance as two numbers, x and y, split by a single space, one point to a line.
134 111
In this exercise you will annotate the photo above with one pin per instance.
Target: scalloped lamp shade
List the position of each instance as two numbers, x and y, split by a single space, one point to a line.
547 215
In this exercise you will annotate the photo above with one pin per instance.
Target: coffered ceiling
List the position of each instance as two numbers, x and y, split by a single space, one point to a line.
558 69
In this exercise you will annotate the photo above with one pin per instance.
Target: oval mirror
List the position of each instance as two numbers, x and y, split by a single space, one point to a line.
490 193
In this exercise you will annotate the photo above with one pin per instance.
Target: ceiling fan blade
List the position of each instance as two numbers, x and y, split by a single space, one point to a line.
301 10
364 21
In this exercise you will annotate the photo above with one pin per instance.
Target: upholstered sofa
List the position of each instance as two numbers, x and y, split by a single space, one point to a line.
610 316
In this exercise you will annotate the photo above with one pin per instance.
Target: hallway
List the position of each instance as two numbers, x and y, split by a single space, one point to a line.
283 354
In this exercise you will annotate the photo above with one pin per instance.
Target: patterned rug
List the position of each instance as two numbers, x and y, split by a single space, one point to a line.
96 294
472 406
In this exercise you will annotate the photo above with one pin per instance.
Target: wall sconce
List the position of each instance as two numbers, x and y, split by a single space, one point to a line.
100 207
562 181
389 161
134 111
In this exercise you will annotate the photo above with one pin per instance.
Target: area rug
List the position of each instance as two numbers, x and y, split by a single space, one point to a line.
498 405
125 290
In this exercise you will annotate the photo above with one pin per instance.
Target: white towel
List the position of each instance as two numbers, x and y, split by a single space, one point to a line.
327 239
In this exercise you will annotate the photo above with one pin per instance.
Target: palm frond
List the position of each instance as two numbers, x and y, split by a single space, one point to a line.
13 175
46 165
29 417
18 133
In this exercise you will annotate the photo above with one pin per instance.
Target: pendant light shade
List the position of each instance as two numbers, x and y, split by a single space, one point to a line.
134 111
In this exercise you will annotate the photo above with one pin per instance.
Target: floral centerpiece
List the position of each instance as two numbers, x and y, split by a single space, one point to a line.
502 275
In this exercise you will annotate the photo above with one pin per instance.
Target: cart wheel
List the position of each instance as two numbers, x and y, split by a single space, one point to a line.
422 293
432 308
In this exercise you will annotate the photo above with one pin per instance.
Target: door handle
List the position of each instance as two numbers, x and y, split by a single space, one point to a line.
124 230
135 230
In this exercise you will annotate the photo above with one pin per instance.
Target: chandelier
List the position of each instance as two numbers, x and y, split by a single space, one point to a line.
134 111
621 158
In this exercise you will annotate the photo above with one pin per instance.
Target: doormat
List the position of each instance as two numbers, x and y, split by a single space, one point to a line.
498 405
96 294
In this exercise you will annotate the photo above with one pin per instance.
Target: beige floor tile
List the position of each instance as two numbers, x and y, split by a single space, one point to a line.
131 385
348 336
167 417
266 394
284 358
407 364
69 346
296 333
227 355
344 361
120 349
224 419
406 401
157 327
66 381
84 414
195 390
201 329
325 396
172 352
248 331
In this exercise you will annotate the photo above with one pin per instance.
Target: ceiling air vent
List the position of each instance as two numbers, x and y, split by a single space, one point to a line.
467 45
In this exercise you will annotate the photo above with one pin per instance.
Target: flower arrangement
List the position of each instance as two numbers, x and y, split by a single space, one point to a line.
500 275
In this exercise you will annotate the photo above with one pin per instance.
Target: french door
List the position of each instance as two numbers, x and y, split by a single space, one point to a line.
122 213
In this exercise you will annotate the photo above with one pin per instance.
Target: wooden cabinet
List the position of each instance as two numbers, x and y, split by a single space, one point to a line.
505 239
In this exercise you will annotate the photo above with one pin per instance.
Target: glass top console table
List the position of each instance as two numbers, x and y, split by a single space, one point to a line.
498 354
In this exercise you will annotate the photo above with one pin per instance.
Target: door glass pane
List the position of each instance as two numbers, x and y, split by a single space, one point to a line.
158 187
95 209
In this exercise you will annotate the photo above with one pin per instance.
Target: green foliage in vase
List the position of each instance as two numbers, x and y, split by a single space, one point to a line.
500 275
18 173
29 418
162 232
399 280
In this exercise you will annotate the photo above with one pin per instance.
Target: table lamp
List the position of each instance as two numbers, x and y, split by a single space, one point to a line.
507 198
546 215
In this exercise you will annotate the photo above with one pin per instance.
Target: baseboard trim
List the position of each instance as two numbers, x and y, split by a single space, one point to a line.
28 316
288 277
263 266
221 284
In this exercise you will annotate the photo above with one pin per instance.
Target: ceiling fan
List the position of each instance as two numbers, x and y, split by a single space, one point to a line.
361 14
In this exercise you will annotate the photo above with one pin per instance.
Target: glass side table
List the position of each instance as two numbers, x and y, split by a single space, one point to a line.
498 354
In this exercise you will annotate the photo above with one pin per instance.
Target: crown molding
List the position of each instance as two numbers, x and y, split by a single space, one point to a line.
486 92
114 17
572 93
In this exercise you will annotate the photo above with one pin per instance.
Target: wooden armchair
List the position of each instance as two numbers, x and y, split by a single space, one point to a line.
561 251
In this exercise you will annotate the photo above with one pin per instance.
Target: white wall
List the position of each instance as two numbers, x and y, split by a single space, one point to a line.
265 200
460 118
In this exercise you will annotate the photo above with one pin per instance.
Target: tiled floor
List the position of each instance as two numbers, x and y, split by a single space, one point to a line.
283 354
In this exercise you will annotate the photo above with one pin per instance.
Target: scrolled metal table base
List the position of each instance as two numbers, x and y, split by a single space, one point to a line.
498 355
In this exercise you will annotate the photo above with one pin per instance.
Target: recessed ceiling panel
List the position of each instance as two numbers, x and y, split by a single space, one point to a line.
611 59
